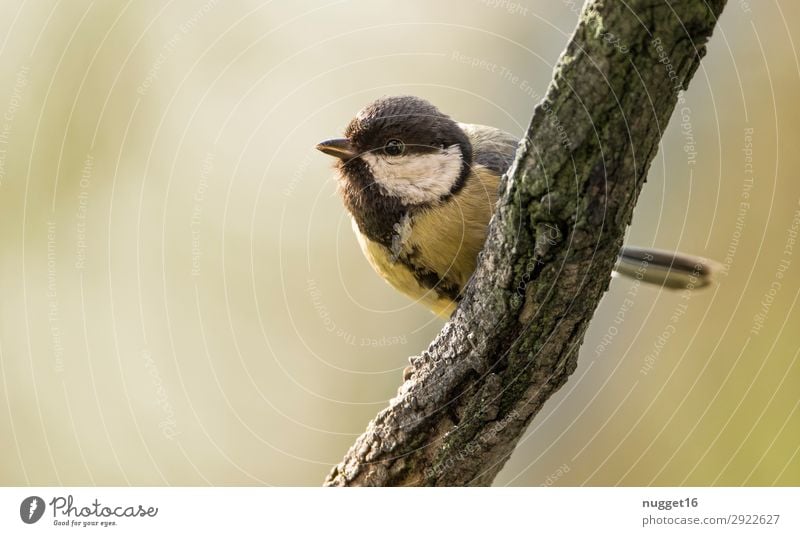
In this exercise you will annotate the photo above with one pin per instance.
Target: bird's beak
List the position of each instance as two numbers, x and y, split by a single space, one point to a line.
338 147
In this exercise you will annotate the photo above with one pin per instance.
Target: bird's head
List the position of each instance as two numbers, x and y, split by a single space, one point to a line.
404 148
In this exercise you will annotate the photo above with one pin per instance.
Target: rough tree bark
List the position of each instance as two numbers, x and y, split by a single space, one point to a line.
558 228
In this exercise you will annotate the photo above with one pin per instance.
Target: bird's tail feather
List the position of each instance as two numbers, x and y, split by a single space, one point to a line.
666 268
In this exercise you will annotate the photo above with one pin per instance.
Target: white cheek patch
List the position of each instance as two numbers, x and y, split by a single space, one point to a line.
416 178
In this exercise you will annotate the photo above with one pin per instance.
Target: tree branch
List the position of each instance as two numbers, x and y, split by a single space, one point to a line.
547 261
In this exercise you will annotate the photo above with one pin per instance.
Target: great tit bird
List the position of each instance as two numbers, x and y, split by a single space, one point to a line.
421 189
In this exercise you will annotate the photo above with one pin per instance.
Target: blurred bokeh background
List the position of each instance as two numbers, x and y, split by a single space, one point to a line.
184 303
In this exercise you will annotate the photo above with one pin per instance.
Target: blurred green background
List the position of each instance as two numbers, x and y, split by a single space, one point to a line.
183 301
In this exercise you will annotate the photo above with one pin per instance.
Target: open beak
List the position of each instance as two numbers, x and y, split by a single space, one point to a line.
338 147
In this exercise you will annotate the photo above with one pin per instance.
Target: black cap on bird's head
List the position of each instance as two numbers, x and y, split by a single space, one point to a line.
406 147
400 154
412 121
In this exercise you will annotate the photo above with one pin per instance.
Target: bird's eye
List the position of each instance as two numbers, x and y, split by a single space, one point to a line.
394 147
